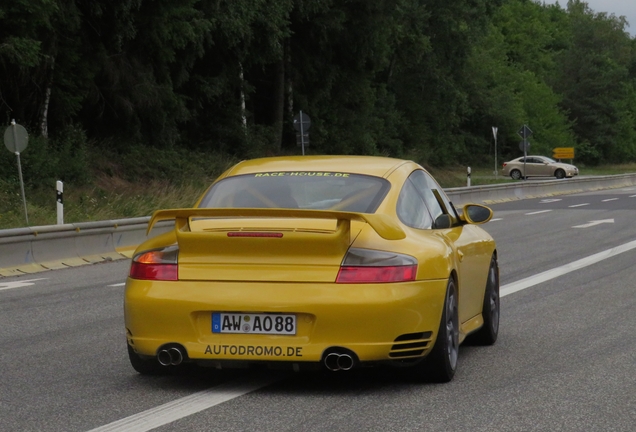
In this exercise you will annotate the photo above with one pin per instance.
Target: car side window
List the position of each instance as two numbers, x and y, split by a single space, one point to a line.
411 208
447 206
425 185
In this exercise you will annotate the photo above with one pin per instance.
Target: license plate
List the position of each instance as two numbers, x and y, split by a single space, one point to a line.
272 324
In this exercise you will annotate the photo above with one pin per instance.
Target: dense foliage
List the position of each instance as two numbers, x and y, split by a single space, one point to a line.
425 79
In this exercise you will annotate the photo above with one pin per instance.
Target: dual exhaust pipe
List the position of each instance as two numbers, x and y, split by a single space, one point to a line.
171 356
337 361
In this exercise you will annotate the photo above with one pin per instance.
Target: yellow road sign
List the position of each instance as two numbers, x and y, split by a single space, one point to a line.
563 153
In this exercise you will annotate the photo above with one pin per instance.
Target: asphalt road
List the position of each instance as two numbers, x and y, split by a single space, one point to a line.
564 361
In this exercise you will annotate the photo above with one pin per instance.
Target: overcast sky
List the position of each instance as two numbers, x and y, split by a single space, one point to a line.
626 8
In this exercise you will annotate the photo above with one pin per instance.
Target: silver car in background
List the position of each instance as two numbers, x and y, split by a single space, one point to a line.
538 166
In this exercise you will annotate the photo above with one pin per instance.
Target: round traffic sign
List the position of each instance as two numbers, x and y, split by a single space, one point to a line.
304 119
16 138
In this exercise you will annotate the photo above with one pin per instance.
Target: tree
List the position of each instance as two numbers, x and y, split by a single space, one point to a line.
597 90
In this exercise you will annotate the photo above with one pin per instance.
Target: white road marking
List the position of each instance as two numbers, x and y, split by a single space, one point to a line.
594 223
579 205
185 406
550 200
117 284
564 269
609 199
495 219
538 212
18 284
632 196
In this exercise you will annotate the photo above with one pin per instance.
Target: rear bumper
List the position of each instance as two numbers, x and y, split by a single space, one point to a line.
364 318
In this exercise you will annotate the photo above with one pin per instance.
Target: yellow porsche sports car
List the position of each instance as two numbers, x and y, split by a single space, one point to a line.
334 262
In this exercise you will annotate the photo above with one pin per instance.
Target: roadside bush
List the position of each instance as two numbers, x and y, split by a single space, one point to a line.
70 148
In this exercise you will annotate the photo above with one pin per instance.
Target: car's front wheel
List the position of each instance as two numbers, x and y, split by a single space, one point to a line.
559 174
487 334
515 174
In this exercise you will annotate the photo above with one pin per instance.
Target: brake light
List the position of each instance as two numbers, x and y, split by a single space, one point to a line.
254 234
369 266
504 164
376 274
156 264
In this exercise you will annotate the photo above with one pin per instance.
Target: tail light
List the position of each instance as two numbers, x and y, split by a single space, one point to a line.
504 164
371 266
156 264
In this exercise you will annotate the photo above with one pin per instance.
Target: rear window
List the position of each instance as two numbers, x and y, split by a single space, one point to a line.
299 189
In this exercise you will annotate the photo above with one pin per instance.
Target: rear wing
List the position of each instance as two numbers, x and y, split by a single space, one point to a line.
384 225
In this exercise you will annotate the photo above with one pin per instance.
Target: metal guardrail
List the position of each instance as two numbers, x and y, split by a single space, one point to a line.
39 248
35 249
492 194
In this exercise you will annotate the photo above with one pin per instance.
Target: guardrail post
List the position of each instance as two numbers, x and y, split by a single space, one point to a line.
468 177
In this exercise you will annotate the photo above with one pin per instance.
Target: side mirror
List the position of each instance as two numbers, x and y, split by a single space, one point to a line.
475 214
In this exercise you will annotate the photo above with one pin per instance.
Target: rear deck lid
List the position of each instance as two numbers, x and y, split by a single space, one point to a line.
285 245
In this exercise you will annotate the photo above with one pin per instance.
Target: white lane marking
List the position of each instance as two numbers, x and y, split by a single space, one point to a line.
117 284
550 200
18 284
538 212
594 223
609 199
495 219
565 269
632 196
186 406
579 205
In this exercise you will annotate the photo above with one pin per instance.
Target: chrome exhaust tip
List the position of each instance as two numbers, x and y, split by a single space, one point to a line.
337 359
331 362
176 356
163 357
170 356
345 362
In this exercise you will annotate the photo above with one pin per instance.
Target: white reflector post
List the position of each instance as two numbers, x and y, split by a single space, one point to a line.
60 202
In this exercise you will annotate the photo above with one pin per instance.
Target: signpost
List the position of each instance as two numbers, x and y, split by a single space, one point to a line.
302 123
16 139
525 133
563 153
494 133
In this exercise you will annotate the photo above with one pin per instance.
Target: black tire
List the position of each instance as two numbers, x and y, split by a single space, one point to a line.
145 366
440 365
487 334
559 174
515 174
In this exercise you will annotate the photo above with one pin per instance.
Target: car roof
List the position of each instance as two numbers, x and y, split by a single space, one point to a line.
372 165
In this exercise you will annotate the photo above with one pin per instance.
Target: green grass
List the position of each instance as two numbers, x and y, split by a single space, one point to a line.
609 169
111 198
118 188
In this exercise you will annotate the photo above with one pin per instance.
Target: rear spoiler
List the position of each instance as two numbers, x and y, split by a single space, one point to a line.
384 225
